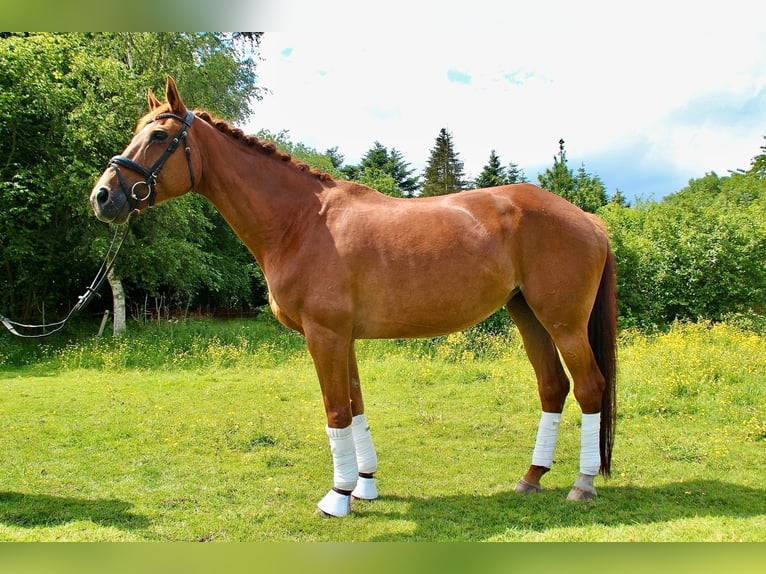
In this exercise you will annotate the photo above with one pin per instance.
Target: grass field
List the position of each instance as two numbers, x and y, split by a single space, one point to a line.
214 431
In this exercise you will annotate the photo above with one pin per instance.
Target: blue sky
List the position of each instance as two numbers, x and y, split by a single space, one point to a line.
647 96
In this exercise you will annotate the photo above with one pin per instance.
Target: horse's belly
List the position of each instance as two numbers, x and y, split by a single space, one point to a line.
446 307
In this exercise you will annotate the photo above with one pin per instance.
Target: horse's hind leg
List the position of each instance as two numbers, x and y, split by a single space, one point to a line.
553 387
366 458
589 387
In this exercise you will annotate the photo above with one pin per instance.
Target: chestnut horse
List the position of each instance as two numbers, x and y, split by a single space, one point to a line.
344 262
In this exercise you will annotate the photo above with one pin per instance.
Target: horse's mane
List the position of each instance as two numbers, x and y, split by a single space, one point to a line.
265 147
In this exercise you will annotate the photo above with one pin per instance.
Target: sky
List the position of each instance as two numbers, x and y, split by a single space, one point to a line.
646 95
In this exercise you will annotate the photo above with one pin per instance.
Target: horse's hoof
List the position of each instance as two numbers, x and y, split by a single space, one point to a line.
583 488
578 493
335 504
365 489
524 487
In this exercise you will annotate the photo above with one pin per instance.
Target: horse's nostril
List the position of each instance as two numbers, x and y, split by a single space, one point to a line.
102 195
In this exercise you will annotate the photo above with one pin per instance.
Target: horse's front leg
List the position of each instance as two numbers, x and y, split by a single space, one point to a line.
366 458
330 351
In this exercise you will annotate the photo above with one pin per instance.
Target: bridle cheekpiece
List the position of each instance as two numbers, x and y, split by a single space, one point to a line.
136 195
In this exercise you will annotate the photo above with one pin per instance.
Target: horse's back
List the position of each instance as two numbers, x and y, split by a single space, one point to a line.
426 266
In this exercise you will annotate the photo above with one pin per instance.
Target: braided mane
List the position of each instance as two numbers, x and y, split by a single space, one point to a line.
265 147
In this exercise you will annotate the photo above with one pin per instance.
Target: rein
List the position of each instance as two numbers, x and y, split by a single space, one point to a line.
44 330
150 175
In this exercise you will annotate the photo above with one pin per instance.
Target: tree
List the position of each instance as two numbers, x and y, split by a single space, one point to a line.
67 103
400 170
327 161
696 254
380 167
493 174
515 174
336 158
559 179
380 181
619 198
584 190
590 192
444 171
43 160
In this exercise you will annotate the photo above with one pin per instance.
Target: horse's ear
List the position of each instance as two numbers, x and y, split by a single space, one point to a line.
174 98
154 103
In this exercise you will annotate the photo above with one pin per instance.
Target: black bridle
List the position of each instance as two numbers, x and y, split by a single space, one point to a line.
150 175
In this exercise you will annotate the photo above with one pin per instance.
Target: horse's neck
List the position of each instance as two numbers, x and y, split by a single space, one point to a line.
260 197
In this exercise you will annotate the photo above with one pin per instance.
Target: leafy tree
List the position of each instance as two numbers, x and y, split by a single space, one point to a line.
697 253
444 170
67 103
322 161
379 180
42 162
213 70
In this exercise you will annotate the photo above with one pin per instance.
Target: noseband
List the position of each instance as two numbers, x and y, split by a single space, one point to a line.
136 195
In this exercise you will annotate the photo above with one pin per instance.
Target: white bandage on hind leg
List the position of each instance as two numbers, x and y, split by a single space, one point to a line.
366 458
547 435
345 469
590 459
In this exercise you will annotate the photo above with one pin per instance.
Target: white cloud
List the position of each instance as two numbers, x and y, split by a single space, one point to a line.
601 76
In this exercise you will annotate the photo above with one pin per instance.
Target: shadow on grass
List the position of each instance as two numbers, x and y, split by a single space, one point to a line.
34 510
476 517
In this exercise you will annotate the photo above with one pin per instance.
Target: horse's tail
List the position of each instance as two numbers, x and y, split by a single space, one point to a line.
602 334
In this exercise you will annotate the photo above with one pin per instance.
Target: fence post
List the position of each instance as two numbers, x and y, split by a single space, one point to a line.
103 323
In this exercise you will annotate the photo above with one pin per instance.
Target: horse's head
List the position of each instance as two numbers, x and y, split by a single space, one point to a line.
157 164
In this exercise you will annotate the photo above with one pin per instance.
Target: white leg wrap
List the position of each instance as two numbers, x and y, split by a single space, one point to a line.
366 458
345 469
590 459
547 435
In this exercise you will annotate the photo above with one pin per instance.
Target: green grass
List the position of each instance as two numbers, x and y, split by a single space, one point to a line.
214 431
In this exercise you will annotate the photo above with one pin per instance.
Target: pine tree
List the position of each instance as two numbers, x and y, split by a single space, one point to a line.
559 179
619 198
590 192
514 174
402 173
584 190
493 173
335 157
444 171
379 162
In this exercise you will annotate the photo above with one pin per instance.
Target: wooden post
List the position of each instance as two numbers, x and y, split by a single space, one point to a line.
103 323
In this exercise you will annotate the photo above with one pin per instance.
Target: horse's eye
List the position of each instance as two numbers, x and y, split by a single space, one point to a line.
159 136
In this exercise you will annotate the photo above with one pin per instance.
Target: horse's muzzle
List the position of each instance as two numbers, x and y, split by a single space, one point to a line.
109 206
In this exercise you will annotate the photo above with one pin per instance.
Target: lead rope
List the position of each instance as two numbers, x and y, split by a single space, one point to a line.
48 329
